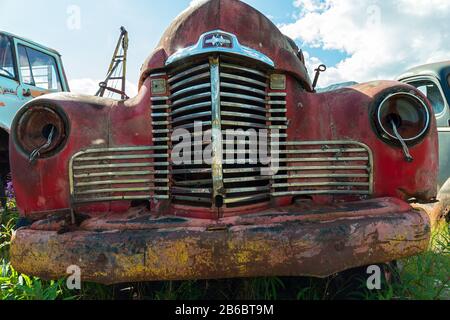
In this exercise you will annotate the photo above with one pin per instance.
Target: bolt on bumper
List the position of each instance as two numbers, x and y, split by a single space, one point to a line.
313 243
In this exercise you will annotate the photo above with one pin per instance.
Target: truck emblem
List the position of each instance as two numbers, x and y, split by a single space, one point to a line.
217 40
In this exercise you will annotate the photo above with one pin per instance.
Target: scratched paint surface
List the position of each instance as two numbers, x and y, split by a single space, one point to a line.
116 242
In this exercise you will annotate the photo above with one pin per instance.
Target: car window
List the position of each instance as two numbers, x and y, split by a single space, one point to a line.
432 92
6 58
38 69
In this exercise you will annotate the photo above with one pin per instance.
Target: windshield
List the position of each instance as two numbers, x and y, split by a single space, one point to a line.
6 58
38 69
432 92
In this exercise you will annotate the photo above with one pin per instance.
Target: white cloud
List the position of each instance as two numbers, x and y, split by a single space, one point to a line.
381 38
90 86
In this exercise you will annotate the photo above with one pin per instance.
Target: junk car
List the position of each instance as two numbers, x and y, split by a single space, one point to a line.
121 189
433 80
27 70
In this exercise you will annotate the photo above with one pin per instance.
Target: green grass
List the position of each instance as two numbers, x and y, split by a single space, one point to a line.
424 277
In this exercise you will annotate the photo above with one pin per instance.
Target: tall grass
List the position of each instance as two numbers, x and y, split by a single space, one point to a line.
422 277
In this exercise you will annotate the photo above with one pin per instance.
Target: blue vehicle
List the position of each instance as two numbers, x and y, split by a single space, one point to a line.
27 70
433 80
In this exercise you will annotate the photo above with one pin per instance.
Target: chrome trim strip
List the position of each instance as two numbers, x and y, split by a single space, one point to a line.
100 183
243 79
244 124
181 190
191 98
243 106
247 179
321 184
283 103
216 138
422 104
157 99
192 125
337 159
243 115
249 189
235 48
278 94
191 107
337 192
161 74
188 72
307 176
246 199
241 68
197 115
189 80
243 88
160 107
113 190
242 96
315 168
314 151
124 157
116 174
190 89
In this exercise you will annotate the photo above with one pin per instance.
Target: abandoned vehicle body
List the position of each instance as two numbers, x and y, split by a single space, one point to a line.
27 70
106 194
433 80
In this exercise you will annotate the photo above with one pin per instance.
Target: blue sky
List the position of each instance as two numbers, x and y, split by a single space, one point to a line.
86 51
358 40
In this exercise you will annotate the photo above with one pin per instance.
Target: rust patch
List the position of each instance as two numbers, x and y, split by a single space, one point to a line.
284 248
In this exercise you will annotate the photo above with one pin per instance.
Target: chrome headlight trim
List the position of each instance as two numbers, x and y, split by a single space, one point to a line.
421 103
219 41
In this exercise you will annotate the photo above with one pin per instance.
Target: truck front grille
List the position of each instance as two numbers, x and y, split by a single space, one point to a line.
324 168
233 97
115 174
243 92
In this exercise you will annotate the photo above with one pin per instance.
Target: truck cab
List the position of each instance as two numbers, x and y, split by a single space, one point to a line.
433 80
27 70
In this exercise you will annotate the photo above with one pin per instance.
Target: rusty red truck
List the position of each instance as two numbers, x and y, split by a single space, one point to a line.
100 185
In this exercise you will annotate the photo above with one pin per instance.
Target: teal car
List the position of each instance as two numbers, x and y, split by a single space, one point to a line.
27 70
433 80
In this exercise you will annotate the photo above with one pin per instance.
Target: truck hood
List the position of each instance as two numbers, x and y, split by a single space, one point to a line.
250 26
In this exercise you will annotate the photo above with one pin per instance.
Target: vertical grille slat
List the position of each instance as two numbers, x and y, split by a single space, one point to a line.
161 123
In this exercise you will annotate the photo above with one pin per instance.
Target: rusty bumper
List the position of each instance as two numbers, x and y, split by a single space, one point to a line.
312 243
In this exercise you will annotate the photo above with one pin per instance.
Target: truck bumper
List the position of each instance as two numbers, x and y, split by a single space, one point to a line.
314 242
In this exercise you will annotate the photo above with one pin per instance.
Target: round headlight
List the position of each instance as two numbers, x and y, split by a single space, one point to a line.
41 128
407 112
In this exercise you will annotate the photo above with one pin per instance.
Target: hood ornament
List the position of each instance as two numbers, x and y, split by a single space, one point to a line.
218 41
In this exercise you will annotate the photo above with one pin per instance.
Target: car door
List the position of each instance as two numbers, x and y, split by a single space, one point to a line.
9 83
38 70
430 86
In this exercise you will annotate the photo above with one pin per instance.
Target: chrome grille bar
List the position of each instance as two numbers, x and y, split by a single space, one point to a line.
346 168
